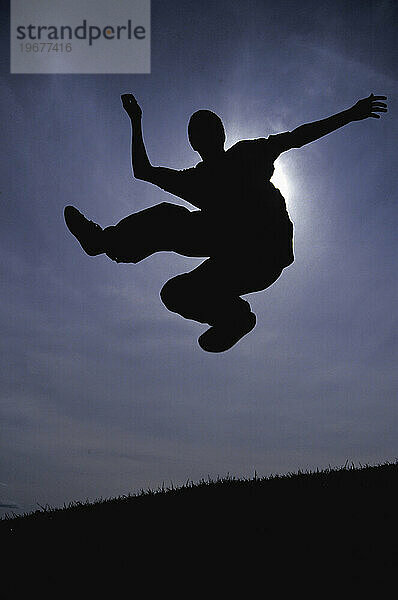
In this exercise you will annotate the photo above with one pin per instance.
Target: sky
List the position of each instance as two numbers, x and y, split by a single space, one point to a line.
103 391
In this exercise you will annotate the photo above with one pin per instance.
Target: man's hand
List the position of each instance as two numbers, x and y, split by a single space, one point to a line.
368 107
131 106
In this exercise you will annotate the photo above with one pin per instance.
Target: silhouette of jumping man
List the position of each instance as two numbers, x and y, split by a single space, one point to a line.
242 224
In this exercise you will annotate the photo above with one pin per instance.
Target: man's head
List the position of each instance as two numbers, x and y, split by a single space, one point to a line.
206 133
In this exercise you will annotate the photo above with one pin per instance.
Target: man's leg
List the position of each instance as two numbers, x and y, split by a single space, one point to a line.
164 227
211 294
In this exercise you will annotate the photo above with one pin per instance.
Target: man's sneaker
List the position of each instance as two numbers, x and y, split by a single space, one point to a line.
222 337
87 233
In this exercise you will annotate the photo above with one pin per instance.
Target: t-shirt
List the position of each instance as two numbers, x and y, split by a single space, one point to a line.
234 192
237 181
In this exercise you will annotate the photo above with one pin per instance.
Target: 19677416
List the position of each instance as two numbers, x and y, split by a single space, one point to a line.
46 47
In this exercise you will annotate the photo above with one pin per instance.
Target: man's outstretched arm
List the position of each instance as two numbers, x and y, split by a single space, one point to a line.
367 107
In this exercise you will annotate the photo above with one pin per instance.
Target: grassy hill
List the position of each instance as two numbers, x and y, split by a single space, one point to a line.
344 517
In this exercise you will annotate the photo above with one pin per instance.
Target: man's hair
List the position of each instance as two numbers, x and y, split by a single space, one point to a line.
205 125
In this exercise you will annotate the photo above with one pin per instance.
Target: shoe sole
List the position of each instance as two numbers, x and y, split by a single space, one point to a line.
73 219
219 345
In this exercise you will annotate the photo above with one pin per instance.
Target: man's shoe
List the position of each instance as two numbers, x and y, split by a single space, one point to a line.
87 233
220 338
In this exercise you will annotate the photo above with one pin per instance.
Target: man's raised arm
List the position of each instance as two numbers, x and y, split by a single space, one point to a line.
367 107
142 168
178 183
139 159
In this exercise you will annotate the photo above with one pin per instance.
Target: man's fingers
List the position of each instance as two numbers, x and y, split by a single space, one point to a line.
378 97
129 98
376 109
379 104
375 116
130 103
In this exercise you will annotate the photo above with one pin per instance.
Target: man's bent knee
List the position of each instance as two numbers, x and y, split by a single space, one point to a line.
173 294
